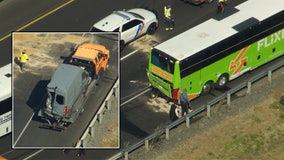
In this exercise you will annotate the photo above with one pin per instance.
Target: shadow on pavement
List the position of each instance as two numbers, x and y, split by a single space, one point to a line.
132 129
38 95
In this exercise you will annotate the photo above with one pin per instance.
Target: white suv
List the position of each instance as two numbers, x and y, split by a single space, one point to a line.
130 24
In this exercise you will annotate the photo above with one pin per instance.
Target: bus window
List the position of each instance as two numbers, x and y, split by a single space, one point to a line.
163 62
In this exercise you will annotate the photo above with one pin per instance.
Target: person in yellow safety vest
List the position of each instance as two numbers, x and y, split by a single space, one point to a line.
23 59
221 4
169 21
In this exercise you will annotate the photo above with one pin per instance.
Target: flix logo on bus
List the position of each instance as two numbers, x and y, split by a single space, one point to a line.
239 62
266 42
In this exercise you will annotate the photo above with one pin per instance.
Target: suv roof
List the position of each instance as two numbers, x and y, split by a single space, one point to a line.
113 21
89 51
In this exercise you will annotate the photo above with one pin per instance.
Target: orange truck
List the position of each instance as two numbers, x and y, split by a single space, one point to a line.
69 86
91 57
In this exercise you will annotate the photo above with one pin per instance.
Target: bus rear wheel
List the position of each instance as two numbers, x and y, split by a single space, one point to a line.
207 88
222 81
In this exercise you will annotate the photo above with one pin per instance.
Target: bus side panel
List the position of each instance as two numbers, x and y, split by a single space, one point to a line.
213 71
268 48
239 62
245 59
192 84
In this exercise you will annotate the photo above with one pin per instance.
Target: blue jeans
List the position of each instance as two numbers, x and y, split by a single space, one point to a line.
22 64
169 23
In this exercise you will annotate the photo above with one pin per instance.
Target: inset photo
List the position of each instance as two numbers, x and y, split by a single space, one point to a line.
65 90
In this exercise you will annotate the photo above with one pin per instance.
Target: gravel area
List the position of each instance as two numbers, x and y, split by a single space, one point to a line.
106 133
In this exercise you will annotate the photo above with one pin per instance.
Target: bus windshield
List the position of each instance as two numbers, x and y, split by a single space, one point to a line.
162 61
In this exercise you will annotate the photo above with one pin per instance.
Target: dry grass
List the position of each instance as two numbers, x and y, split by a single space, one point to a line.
255 134
110 139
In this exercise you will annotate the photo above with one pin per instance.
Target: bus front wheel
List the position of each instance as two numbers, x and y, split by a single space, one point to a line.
208 86
222 81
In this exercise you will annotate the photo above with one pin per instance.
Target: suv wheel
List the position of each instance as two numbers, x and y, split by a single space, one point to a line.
152 28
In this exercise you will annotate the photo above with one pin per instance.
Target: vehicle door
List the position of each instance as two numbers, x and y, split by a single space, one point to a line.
131 30
58 104
99 62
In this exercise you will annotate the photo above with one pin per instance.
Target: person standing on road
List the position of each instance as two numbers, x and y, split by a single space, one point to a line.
23 59
221 6
184 102
169 21
173 112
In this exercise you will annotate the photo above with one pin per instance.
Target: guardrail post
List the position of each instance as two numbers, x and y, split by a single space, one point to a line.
100 118
187 120
115 91
208 110
269 76
91 130
229 99
249 88
147 144
167 133
108 104
126 155
82 144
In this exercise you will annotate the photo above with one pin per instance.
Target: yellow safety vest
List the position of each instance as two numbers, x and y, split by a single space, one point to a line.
167 12
23 58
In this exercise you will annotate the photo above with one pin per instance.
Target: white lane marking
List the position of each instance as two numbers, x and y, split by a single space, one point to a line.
135 97
37 152
128 55
23 130
44 97
6 152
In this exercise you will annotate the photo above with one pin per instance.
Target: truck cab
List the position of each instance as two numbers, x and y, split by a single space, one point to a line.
91 57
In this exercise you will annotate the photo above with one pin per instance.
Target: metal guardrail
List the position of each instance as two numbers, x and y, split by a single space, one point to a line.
200 109
98 117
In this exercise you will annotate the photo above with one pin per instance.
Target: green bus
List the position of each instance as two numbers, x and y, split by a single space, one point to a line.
218 50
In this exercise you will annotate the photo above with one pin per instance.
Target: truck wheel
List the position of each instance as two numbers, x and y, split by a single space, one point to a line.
67 124
152 28
208 86
222 81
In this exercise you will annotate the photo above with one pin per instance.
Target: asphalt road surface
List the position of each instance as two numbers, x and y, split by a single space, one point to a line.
139 119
